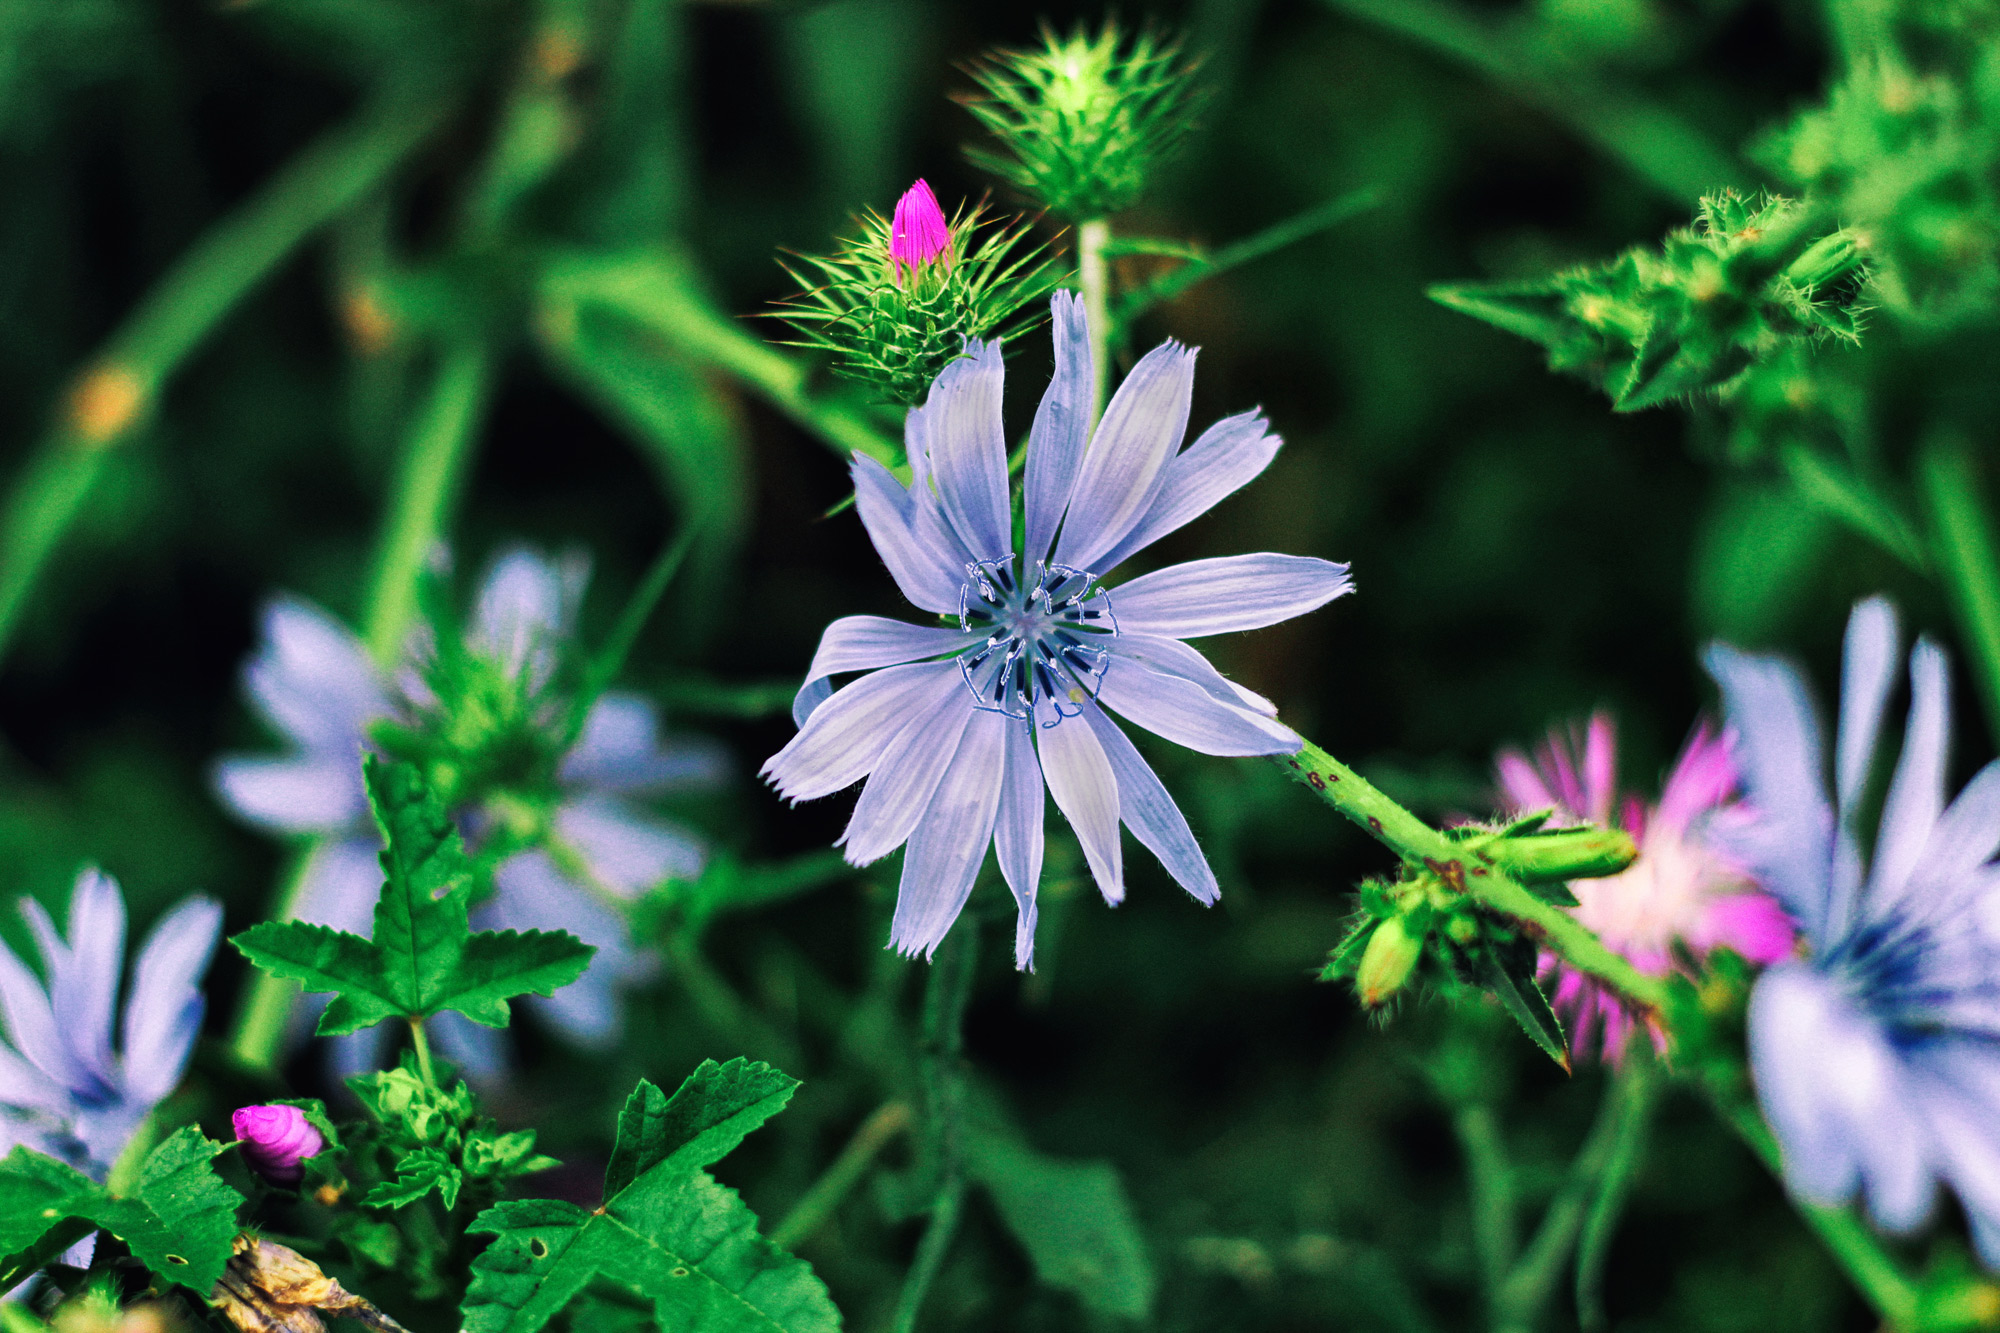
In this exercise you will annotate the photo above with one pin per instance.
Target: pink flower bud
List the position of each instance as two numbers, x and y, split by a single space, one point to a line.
917 233
276 1139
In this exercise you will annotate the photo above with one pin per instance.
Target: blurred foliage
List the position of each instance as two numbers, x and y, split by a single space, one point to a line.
266 264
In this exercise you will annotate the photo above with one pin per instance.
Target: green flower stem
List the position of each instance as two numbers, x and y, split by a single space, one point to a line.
940 1051
1477 877
1093 275
267 1004
114 394
1967 555
811 1212
433 461
1601 1169
1490 1184
425 1069
1894 1294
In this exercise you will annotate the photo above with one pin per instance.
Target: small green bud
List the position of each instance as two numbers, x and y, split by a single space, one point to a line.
1386 964
1576 853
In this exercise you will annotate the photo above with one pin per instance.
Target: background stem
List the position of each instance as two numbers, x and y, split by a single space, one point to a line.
113 395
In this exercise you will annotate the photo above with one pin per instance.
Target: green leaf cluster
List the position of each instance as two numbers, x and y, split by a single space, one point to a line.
1750 279
178 1220
424 957
666 1230
431 1138
895 329
1082 122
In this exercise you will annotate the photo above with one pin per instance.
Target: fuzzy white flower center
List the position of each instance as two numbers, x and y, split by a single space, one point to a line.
1046 639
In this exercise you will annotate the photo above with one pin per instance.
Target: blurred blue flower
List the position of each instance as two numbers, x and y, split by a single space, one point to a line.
314 682
961 728
64 1090
1877 1056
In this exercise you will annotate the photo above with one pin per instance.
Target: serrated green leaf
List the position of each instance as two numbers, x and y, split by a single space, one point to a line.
417 1174
682 1240
177 1182
179 1221
1507 969
711 1112
424 957
1073 1218
667 1230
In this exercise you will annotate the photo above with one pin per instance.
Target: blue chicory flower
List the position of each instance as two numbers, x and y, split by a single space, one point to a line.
313 681
957 730
1877 1056
64 1089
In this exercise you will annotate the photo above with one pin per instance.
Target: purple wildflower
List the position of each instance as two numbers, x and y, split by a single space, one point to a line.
314 682
63 1089
1877 1056
960 729
1682 893
917 232
276 1141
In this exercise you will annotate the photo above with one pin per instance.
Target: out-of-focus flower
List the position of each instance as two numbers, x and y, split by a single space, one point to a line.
1877 1056
590 848
1683 892
277 1140
917 233
960 729
64 1090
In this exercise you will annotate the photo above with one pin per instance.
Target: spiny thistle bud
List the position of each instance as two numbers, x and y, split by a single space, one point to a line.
1387 962
895 304
1752 278
276 1141
1083 121
917 233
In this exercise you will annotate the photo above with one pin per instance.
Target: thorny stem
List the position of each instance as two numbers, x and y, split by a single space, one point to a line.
819 1202
114 394
1094 276
1467 871
940 1048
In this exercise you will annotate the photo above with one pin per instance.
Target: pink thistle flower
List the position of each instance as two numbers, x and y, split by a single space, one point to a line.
276 1141
917 233
1683 893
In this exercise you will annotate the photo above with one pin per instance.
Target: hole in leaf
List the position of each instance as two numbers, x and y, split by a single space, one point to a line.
680 1272
538 1249
176 1259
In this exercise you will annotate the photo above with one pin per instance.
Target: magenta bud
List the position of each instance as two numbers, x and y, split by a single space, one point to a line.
276 1139
917 233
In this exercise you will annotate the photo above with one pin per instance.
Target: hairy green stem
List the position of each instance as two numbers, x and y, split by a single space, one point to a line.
1093 275
1967 554
116 391
434 456
940 1051
1467 871
826 1194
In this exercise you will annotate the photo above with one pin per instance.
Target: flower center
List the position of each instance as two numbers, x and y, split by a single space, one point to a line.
1045 651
